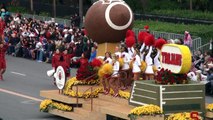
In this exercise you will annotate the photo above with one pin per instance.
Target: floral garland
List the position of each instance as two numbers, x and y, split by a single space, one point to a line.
74 81
124 94
210 107
45 104
182 116
94 94
165 76
85 95
145 110
49 104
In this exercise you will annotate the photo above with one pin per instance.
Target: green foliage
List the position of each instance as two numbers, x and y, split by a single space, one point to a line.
185 14
135 5
144 6
44 14
203 31
16 9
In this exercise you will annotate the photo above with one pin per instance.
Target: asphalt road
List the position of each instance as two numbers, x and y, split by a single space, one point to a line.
19 92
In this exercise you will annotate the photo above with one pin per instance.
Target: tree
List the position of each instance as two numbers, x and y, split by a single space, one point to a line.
199 3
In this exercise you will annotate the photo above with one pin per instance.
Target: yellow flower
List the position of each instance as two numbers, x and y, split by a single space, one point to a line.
145 110
124 94
210 107
44 104
61 106
182 116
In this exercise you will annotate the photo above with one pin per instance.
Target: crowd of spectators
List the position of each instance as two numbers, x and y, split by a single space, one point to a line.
38 40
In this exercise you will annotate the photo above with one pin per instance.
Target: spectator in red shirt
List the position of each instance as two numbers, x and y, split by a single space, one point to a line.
3 49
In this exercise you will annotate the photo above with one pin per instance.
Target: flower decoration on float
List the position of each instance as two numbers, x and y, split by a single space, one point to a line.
209 107
183 116
47 104
144 111
165 77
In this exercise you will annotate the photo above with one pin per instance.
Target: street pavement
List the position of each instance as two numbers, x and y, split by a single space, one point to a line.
19 92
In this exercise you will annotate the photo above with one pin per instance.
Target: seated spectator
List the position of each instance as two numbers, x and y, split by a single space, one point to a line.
209 87
93 54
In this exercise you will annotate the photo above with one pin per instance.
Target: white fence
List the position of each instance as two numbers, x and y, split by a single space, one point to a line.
196 41
205 47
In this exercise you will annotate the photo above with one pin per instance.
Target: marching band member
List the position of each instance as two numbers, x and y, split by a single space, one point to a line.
142 52
62 62
136 65
125 68
3 49
131 51
117 52
107 59
157 61
55 60
149 73
67 58
114 80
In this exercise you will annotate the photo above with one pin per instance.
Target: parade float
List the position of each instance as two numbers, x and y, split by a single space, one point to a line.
81 97
106 23
171 90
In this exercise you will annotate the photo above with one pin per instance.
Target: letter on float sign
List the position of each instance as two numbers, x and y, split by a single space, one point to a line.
172 59
179 59
167 58
163 57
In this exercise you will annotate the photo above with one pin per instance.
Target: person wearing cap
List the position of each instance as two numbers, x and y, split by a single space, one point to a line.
146 28
3 49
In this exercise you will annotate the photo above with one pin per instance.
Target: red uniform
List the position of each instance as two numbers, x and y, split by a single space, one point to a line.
65 66
67 58
2 26
55 60
2 57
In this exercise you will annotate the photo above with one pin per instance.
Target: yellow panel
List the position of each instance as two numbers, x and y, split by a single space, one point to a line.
106 47
186 57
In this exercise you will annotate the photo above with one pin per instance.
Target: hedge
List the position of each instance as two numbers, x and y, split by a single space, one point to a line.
185 14
203 31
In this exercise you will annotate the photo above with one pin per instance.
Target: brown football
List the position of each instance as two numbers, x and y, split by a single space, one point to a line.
108 21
